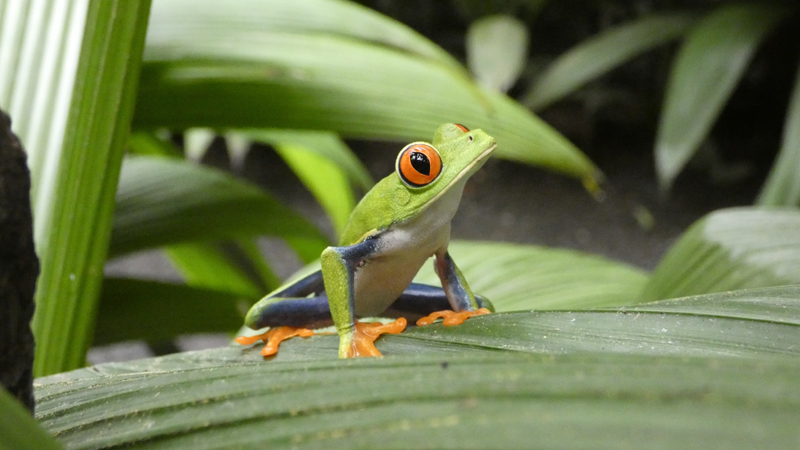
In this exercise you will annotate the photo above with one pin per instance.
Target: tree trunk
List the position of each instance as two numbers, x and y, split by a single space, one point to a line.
19 268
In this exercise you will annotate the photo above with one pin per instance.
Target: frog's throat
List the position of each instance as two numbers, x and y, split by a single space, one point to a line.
461 174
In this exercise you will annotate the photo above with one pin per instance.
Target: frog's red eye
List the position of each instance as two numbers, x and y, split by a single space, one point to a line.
462 128
418 164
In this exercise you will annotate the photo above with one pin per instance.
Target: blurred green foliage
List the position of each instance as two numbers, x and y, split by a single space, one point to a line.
300 76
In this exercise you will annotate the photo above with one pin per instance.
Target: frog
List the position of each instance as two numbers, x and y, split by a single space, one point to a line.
404 220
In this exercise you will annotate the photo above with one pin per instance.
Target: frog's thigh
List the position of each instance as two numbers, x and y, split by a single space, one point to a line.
454 284
309 284
312 312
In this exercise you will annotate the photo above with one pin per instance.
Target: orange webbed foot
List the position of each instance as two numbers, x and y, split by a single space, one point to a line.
274 337
363 341
451 318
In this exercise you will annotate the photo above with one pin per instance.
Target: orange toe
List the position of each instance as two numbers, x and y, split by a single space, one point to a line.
451 318
363 343
274 337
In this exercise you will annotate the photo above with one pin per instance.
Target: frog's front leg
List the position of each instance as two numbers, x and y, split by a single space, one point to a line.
458 293
339 265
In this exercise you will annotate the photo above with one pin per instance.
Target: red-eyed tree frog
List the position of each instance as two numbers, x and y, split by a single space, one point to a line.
394 229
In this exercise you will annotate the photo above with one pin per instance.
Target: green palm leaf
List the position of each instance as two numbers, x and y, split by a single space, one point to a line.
782 187
599 55
519 277
708 67
164 201
154 311
731 249
655 376
68 74
18 430
208 65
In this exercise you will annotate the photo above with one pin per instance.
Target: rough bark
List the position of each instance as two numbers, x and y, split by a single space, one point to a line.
19 268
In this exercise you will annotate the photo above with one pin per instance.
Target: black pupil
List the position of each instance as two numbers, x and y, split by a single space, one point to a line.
420 163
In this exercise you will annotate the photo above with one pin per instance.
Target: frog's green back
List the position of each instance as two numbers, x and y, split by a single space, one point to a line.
376 211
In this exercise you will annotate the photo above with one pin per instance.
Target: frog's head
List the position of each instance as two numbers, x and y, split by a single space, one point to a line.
429 170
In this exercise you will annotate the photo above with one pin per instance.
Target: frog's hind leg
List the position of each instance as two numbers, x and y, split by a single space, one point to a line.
311 312
463 302
289 313
419 300
287 318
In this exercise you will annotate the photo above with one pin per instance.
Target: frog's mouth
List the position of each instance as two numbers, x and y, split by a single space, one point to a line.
472 167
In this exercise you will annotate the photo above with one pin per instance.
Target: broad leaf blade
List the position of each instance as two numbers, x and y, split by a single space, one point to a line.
163 201
18 430
494 401
600 54
708 67
749 323
518 277
731 249
261 268
323 143
488 402
607 389
196 142
782 187
153 311
148 144
70 93
497 48
200 71
324 180
342 19
778 305
208 266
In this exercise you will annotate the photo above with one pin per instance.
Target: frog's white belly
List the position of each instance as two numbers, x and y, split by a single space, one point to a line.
403 249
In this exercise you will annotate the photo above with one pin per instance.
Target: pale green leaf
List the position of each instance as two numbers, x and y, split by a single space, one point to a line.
731 249
337 18
164 201
196 142
238 149
226 273
600 383
782 187
70 95
148 144
207 265
325 180
497 49
260 266
204 71
324 164
18 430
515 277
323 143
599 55
710 63
154 311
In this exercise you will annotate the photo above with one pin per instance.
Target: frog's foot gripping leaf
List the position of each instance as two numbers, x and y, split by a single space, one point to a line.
274 337
361 342
450 317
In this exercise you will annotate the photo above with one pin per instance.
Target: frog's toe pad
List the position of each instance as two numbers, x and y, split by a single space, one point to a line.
274 337
363 342
451 317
